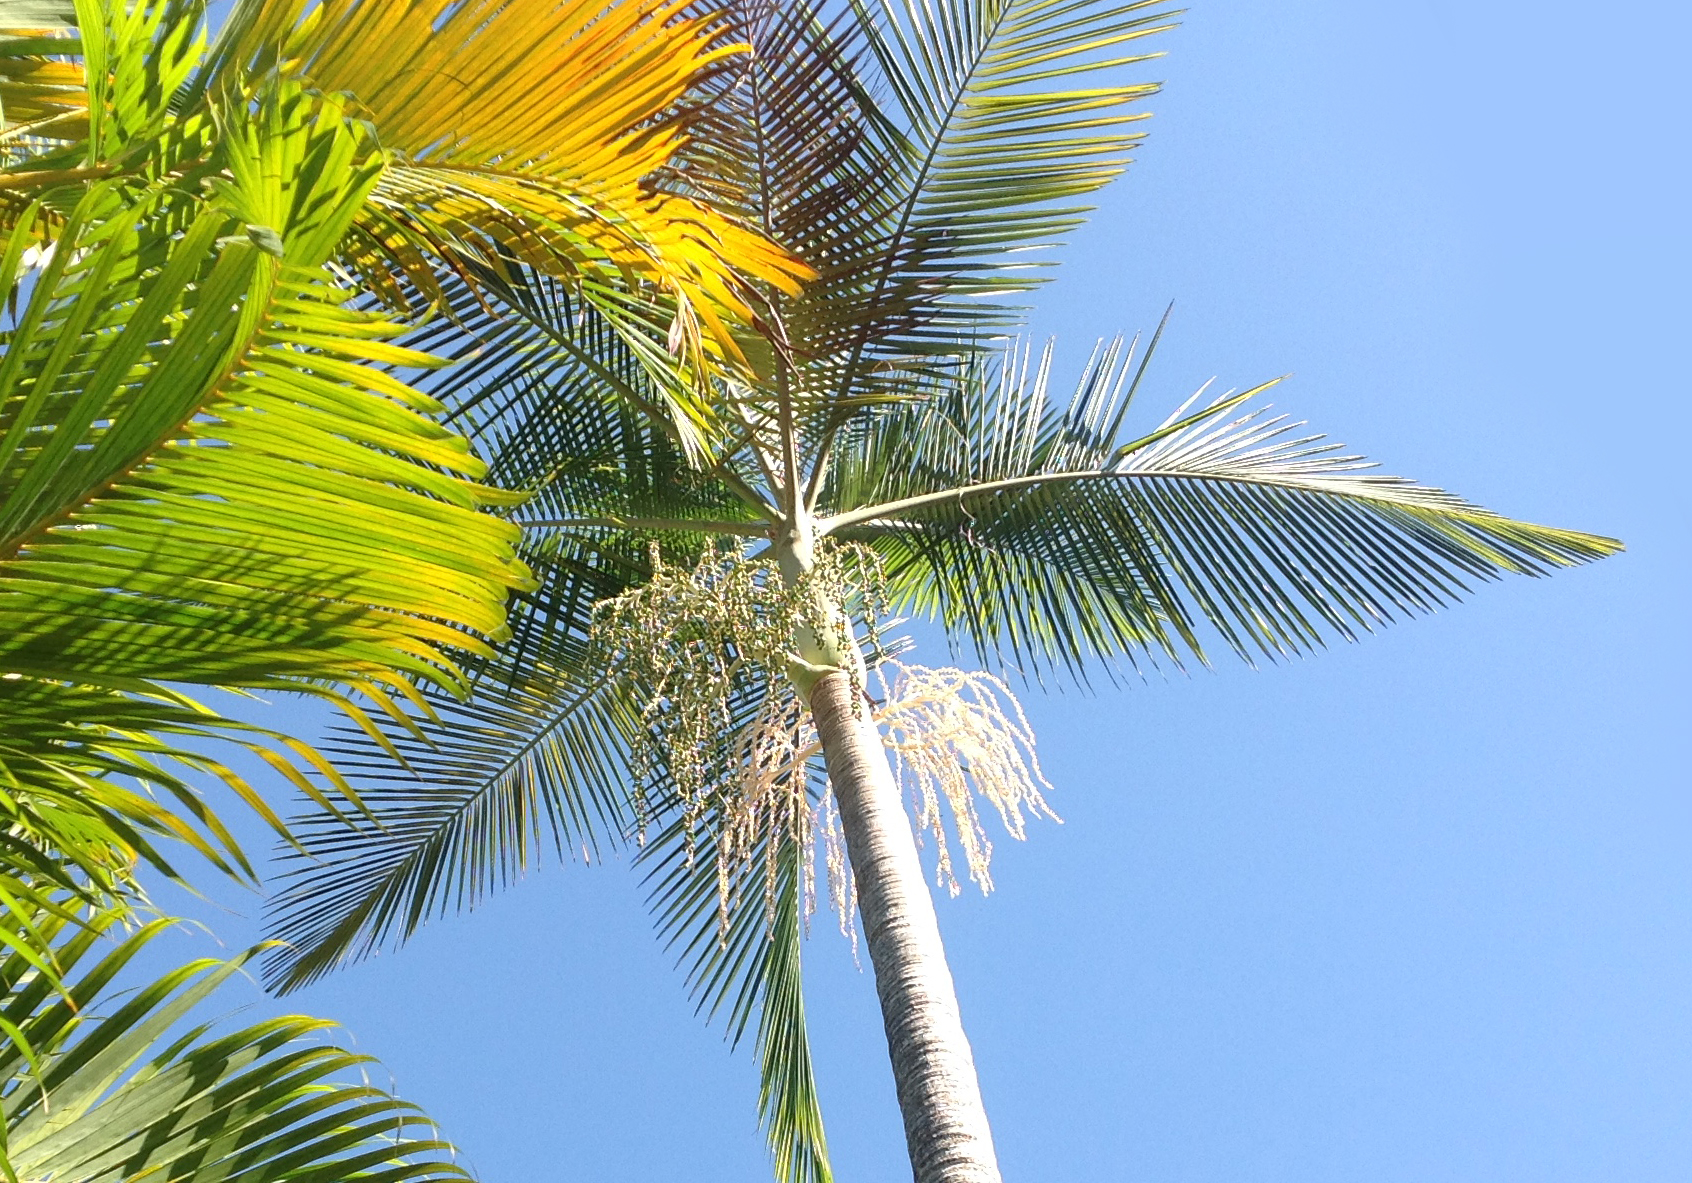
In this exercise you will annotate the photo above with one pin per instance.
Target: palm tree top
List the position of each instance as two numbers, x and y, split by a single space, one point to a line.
922 158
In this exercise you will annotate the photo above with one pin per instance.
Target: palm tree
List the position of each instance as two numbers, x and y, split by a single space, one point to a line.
889 454
214 473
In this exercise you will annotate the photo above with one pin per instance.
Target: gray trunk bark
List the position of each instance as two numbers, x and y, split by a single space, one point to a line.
933 1071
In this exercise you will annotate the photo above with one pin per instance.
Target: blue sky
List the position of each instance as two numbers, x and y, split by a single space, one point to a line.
1415 909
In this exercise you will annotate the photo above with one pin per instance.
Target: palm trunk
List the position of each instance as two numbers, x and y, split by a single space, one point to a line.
933 1071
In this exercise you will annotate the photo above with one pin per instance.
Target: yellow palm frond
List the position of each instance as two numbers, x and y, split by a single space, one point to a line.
530 129
40 95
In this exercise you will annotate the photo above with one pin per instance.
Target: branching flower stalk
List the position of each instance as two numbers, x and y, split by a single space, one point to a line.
707 644
768 793
958 735
705 641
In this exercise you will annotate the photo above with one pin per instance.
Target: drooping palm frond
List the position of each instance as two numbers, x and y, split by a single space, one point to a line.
531 766
1041 535
100 1085
523 767
751 965
788 1101
739 947
538 759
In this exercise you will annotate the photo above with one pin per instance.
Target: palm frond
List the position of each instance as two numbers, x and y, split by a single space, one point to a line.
558 181
920 156
564 405
537 756
534 762
42 97
1009 113
745 965
526 129
209 476
204 475
99 1086
93 779
792 140
787 1089
1041 536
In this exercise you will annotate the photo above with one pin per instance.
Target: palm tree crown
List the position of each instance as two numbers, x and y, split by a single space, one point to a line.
918 156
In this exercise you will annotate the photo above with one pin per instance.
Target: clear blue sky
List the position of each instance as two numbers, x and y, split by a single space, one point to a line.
1416 909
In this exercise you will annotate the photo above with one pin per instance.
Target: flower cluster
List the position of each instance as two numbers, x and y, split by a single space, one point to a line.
726 736
712 648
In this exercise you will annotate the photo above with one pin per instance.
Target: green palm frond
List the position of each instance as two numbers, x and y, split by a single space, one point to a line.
99 1084
741 956
787 1088
1041 535
752 965
538 756
208 475
792 138
563 405
204 475
136 58
536 762
915 154
90 96
93 778
42 96
1008 114
538 759
920 157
